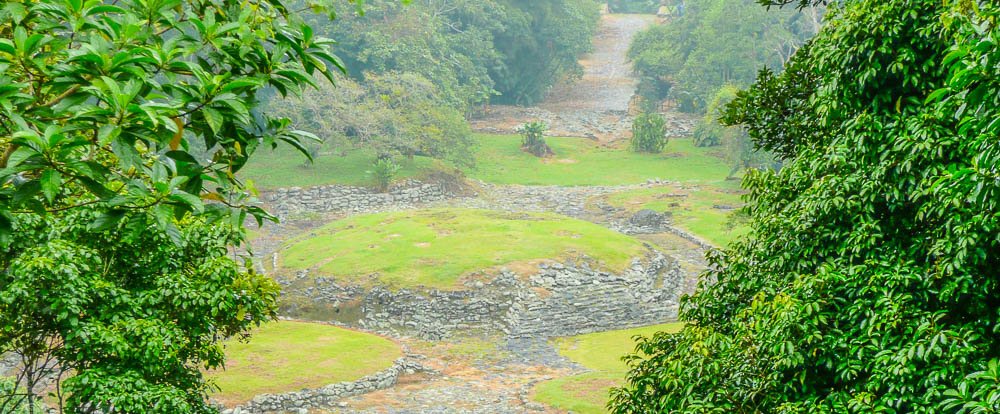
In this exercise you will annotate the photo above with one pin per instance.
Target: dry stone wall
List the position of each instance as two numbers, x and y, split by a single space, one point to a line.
559 300
311 399
292 201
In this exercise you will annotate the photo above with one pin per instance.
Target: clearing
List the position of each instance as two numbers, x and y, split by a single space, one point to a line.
499 160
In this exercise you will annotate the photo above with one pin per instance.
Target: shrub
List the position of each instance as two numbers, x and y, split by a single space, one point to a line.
384 169
533 139
649 133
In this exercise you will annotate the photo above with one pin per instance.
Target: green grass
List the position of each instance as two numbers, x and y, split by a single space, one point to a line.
499 160
435 248
694 212
600 352
286 167
584 162
288 356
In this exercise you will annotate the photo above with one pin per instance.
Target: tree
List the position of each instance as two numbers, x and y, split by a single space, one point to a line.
533 139
394 114
714 43
739 149
868 281
473 51
649 133
122 126
540 44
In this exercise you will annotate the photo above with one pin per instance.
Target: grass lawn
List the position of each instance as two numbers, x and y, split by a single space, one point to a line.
499 160
584 162
288 356
600 352
286 167
436 247
693 207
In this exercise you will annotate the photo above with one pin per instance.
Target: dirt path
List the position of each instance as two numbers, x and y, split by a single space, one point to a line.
607 84
595 106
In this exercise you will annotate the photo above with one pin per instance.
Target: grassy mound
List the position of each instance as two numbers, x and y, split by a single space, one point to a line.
600 352
435 248
288 356
499 159
704 211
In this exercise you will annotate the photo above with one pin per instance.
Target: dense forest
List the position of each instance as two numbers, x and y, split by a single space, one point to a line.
502 51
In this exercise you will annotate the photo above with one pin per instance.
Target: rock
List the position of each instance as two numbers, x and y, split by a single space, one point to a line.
649 218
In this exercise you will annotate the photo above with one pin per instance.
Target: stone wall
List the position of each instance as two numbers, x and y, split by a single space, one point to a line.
559 300
577 299
326 397
286 202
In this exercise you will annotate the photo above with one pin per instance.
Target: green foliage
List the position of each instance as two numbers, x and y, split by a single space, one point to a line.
868 282
634 6
127 315
472 50
540 45
117 121
14 398
384 170
713 43
450 44
533 139
649 133
740 151
709 132
391 114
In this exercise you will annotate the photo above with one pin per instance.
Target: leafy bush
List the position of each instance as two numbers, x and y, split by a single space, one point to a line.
649 133
533 139
384 170
868 282
709 132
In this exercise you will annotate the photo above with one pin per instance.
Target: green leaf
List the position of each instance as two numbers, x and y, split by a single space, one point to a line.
51 181
106 221
213 118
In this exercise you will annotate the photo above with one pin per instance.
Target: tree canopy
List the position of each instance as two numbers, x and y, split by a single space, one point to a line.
122 128
708 44
868 282
474 51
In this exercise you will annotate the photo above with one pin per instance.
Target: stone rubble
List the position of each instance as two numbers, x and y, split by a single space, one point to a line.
560 300
323 398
